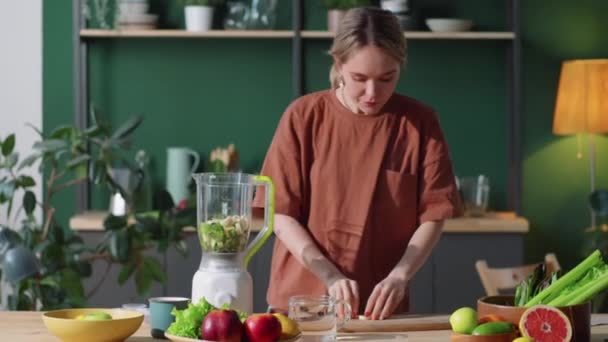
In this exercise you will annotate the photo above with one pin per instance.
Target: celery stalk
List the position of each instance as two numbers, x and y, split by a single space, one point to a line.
554 289
565 299
589 291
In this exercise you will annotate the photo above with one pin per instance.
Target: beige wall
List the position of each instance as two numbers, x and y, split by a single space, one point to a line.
21 78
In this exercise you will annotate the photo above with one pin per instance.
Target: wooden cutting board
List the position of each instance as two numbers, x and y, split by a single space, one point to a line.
399 323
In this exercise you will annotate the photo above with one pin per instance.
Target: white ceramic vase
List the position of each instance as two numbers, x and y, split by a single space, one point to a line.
199 18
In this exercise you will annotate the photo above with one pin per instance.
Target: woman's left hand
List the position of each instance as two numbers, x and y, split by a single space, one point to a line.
385 297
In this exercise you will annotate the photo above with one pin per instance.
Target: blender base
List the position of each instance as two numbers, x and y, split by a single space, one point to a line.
224 287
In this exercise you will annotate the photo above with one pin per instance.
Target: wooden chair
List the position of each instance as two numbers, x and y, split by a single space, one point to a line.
495 280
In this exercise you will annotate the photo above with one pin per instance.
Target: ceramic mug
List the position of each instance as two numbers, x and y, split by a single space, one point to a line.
318 316
160 313
179 169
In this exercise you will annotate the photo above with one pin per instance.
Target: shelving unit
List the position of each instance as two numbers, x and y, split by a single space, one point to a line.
92 33
88 33
511 37
430 35
466 239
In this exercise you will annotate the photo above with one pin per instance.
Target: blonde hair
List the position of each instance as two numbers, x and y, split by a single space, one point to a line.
362 26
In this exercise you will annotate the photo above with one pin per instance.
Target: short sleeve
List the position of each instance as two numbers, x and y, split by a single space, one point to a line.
439 199
284 165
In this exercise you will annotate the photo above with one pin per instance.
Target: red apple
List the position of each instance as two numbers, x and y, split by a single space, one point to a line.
222 325
262 328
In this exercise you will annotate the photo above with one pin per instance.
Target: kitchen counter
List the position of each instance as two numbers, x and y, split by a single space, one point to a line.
28 326
496 237
493 222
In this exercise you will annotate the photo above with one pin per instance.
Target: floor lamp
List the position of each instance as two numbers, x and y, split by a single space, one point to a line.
582 104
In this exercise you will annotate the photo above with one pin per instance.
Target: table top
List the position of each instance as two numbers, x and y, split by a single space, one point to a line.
28 326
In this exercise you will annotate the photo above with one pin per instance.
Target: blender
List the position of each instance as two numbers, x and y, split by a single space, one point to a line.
224 203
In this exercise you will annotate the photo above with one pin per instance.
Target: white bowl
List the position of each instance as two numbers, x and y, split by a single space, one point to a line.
133 8
449 25
139 19
395 6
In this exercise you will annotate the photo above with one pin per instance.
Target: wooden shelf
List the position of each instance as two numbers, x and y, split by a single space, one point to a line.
89 33
494 222
430 35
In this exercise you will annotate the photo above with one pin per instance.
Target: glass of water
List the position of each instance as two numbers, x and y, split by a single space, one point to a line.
319 317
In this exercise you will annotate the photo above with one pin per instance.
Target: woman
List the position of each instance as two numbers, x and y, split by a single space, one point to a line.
363 178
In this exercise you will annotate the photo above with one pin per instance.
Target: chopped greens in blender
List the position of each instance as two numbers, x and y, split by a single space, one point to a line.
227 235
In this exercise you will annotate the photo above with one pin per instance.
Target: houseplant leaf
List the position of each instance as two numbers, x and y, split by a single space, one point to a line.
28 161
50 145
8 145
154 268
114 222
127 128
29 202
125 273
120 245
143 280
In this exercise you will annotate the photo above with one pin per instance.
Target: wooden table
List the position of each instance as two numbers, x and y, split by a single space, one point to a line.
28 326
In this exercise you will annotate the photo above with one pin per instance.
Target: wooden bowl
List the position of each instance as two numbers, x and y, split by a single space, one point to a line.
579 315
506 337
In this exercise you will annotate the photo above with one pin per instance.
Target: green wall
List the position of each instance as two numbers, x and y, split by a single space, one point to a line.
208 92
556 183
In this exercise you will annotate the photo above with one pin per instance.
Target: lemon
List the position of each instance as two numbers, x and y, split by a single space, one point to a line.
523 339
289 328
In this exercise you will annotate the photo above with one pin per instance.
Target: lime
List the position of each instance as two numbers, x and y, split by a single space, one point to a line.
463 320
94 316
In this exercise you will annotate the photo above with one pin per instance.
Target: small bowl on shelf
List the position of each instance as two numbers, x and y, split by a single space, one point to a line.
448 24
395 6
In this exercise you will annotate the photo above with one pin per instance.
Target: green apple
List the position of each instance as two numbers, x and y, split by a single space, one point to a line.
94 316
463 320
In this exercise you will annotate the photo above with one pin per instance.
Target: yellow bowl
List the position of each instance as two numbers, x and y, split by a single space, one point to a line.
63 324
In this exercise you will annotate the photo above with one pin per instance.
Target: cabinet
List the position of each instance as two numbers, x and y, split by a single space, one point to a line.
446 282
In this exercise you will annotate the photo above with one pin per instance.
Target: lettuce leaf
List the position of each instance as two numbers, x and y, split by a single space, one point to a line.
242 315
188 321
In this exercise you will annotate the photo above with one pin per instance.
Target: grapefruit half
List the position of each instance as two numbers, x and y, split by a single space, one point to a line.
545 324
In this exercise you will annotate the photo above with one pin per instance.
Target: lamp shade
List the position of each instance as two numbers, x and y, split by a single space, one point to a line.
582 97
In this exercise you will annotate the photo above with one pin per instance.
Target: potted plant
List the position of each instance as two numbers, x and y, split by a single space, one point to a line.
337 8
43 261
199 14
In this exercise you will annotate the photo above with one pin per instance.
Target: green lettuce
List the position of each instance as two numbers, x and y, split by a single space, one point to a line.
242 315
188 321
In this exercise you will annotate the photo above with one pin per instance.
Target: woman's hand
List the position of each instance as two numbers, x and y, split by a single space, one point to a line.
385 297
347 290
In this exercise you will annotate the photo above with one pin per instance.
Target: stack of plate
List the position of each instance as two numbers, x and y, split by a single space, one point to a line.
133 15
401 10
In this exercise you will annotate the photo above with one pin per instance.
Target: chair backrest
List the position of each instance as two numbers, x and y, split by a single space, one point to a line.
496 279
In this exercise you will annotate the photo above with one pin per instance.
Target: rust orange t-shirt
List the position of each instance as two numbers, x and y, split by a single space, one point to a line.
360 184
